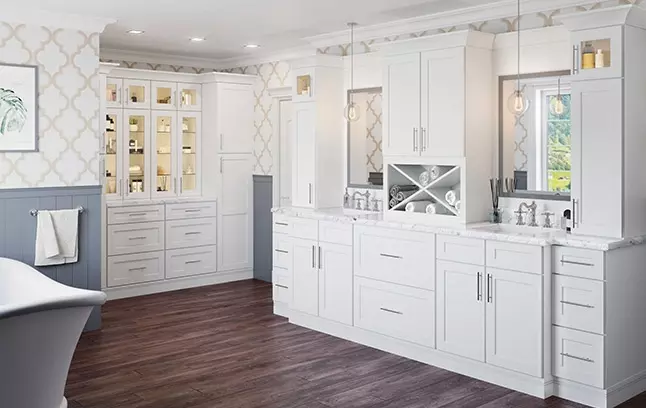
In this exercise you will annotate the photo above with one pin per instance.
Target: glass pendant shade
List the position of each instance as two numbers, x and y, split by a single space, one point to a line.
352 112
557 107
518 103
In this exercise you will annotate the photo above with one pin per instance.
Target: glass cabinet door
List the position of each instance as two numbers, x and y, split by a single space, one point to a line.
164 94
137 163
190 128
598 53
136 93
164 154
190 97
113 93
112 160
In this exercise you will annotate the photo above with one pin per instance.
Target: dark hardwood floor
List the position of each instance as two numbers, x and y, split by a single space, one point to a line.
221 347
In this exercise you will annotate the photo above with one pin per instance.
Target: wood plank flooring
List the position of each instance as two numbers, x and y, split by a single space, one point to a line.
222 347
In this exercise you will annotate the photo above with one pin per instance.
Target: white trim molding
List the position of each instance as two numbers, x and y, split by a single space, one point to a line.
31 16
278 95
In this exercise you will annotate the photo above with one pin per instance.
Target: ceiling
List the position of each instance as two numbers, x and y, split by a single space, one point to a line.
277 25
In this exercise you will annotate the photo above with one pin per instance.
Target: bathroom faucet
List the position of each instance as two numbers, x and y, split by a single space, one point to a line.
531 214
357 202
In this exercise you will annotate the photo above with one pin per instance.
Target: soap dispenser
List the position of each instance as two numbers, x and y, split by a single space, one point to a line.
346 199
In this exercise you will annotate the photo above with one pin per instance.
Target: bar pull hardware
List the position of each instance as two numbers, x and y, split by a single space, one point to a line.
192 262
320 259
489 295
391 311
563 262
220 165
136 238
181 186
139 214
575 59
313 257
193 233
309 186
281 286
197 210
424 140
575 212
175 185
391 256
143 268
479 287
119 187
281 251
415 146
565 302
587 360
282 224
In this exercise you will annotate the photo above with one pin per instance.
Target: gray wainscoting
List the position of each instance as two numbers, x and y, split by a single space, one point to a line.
18 233
262 227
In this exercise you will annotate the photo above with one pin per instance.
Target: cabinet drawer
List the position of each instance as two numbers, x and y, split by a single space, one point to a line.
144 213
191 210
282 281
458 249
191 261
397 311
578 303
191 233
584 263
402 257
304 228
282 225
515 257
134 238
578 356
139 268
282 251
335 232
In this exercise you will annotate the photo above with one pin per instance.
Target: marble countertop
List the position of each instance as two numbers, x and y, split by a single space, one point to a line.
525 235
159 201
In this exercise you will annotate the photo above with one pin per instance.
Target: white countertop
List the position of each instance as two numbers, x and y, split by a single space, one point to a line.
483 231
158 201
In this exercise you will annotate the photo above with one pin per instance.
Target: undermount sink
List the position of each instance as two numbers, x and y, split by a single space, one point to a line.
536 232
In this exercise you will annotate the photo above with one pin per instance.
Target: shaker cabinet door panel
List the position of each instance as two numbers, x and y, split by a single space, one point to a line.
335 282
305 277
235 118
304 148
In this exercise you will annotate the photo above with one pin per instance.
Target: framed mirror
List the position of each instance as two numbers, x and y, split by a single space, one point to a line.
535 147
365 158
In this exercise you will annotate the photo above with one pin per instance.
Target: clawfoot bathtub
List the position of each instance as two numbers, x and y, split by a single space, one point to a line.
40 324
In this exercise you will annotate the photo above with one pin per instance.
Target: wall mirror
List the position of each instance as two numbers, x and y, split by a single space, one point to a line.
365 158
535 147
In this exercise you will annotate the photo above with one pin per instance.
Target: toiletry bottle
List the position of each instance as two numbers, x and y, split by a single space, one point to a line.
587 58
346 199
599 61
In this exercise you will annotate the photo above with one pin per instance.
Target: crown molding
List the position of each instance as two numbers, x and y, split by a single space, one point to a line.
156 58
535 36
501 9
629 14
18 15
284 55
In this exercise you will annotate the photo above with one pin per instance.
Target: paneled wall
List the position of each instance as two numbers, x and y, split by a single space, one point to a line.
18 233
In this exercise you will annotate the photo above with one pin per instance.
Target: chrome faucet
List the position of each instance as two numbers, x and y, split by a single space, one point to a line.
357 202
531 214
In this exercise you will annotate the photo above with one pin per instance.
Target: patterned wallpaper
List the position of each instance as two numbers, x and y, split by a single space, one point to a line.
69 95
374 133
275 74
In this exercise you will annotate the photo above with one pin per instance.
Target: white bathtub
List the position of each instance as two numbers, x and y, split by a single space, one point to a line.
40 324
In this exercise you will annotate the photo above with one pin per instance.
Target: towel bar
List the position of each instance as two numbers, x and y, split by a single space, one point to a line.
34 213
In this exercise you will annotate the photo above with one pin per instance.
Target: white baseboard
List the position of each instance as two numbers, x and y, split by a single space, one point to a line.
281 309
169 285
595 397
538 387
625 390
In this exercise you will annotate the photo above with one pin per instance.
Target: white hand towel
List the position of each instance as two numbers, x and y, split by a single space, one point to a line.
453 196
457 205
435 208
57 237
417 206
436 172
425 178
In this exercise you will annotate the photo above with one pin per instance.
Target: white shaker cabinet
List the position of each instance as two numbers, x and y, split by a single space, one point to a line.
305 276
597 127
235 114
335 282
461 309
304 148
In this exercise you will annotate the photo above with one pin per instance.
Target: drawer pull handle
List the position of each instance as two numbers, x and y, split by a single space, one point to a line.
391 311
391 256
136 238
565 302
139 214
192 233
281 286
563 262
192 262
282 224
282 251
587 360
193 211
143 268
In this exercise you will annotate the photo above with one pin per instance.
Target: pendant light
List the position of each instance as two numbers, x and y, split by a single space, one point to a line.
518 102
557 107
352 112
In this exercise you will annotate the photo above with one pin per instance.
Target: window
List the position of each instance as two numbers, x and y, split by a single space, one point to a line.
554 144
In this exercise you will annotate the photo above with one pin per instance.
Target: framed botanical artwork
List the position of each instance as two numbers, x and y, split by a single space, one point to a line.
18 108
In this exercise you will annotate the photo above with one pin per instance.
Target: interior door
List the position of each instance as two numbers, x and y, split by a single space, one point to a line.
401 92
335 282
515 321
236 118
461 309
305 276
304 147
443 103
597 128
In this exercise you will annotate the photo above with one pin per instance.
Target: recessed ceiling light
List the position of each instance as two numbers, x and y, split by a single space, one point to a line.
136 32
198 39
252 46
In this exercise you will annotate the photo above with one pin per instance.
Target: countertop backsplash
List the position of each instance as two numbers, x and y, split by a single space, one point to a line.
510 204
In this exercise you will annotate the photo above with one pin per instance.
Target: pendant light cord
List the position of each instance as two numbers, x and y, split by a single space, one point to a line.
518 45
352 61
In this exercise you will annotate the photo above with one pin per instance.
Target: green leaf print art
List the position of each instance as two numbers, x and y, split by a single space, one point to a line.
13 114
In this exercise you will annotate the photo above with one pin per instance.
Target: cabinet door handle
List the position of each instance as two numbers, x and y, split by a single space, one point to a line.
196 210
575 59
281 286
479 287
565 302
128 95
143 268
220 165
193 233
281 251
391 311
391 256
136 238
192 262
282 224
423 139
139 214
587 360
414 139
309 186
489 294
313 257
320 259
174 185
563 262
